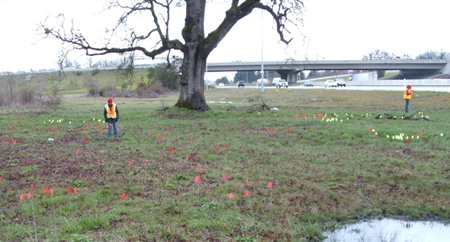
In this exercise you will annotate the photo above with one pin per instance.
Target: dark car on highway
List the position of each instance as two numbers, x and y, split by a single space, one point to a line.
240 84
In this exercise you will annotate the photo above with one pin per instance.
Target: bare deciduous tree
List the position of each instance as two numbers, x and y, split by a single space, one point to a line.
90 63
10 86
196 45
434 55
378 55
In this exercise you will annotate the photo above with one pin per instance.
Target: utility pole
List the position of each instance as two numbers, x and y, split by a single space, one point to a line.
262 50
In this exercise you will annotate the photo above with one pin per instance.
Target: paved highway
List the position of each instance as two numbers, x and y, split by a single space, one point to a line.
358 88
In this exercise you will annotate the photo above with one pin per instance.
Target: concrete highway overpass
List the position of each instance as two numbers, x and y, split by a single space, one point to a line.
290 68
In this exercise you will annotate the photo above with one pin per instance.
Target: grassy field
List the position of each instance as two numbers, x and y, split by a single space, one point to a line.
324 158
72 82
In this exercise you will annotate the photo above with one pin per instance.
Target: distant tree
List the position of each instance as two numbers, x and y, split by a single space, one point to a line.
378 55
223 80
104 63
154 40
168 76
124 62
76 65
10 87
434 55
90 63
246 76
124 69
68 63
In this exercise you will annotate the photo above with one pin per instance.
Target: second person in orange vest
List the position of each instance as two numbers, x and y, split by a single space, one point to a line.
407 96
111 114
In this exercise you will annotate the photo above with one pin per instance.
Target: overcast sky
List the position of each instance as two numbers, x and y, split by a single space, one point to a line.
332 30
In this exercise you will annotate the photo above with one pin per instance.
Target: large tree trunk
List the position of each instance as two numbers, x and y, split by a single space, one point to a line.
194 61
192 82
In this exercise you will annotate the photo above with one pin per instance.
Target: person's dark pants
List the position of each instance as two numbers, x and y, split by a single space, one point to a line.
407 105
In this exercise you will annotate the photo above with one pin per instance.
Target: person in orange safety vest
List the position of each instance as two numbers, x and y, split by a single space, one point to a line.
407 96
111 114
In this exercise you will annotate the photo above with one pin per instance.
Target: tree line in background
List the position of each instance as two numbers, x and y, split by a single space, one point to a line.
245 76
378 54
90 63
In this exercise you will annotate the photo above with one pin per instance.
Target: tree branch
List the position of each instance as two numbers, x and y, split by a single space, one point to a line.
77 39
235 13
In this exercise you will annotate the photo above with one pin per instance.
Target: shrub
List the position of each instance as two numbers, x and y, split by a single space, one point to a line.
95 72
101 92
109 91
141 89
167 75
112 92
124 85
53 102
157 88
26 95
93 90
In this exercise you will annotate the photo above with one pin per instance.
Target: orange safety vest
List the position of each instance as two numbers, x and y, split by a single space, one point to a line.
407 94
111 112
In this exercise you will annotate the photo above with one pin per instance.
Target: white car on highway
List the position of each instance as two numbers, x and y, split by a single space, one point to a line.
282 83
340 82
330 83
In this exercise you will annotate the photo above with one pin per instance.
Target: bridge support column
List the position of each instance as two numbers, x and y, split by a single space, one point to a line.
288 75
446 69
292 77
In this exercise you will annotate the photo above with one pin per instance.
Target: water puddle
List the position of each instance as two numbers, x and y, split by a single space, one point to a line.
391 230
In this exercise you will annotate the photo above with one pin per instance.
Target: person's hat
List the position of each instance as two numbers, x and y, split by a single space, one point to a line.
409 86
110 100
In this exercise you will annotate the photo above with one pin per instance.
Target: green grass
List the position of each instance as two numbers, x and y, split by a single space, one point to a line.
325 171
76 82
389 74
